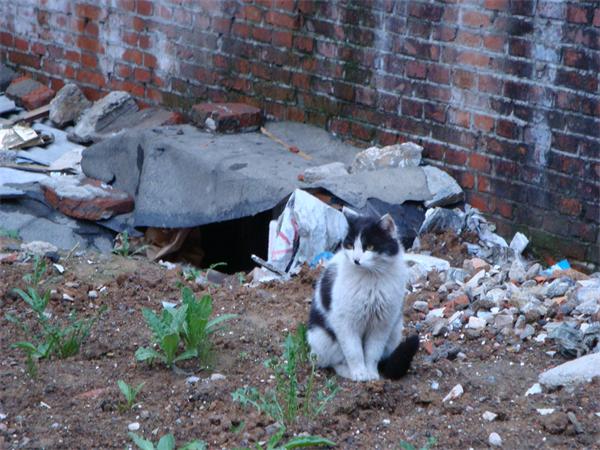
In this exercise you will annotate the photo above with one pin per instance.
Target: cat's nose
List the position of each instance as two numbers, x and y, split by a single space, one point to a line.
357 262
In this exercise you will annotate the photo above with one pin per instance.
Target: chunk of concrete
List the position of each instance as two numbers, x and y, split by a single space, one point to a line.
6 105
6 76
29 93
85 198
103 113
68 105
580 370
334 169
227 117
398 155
427 262
444 189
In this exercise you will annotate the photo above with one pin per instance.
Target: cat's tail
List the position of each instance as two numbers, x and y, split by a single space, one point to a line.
398 362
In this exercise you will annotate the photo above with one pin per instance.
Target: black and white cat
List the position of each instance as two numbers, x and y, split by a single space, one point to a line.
356 318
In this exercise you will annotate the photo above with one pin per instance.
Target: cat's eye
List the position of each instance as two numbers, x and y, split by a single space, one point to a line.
348 246
370 248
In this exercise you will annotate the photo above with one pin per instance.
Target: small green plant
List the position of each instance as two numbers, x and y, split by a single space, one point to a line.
167 442
125 248
191 273
34 278
290 398
198 326
407 446
54 337
166 330
296 442
5 232
129 392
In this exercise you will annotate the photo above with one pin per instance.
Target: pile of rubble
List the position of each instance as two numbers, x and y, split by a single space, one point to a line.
499 294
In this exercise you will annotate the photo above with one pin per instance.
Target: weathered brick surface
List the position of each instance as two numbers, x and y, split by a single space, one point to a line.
227 117
29 93
504 94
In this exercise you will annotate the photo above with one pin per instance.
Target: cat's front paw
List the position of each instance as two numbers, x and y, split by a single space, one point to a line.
364 375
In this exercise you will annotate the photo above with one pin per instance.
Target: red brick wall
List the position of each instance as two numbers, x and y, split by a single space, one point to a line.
503 93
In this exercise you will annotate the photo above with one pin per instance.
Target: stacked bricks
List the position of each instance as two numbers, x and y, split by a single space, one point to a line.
503 94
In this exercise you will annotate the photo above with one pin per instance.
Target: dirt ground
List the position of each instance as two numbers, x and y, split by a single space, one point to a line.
74 403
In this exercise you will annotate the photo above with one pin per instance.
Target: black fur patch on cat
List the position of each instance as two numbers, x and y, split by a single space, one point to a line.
326 287
397 364
316 319
372 234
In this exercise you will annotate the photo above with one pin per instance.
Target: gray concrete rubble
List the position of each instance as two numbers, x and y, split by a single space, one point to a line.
102 114
6 105
580 370
397 155
68 105
241 174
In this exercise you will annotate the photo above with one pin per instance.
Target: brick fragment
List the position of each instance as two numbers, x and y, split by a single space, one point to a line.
29 93
227 117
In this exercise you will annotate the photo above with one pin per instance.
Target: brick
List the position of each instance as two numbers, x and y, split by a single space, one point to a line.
577 14
145 7
460 118
435 111
227 117
475 19
29 93
133 56
571 206
483 122
88 11
473 59
86 199
463 79
497 5
416 69
281 20
282 38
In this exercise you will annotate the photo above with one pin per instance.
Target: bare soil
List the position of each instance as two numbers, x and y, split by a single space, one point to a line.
74 403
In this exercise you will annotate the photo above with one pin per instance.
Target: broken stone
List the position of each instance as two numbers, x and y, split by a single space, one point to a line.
134 426
587 294
28 93
576 424
474 265
438 220
444 189
533 390
334 169
85 198
573 342
545 411
533 271
590 307
68 105
421 306
434 314
429 263
489 416
454 393
502 321
475 279
518 243
6 76
495 440
397 155
496 296
227 117
454 274
555 423
102 114
580 370
558 287
526 332
517 271
476 323
38 248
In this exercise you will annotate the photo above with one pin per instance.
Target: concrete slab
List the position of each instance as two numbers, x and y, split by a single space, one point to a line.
183 177
6 105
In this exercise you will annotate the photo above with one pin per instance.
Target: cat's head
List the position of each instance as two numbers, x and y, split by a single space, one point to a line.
370 241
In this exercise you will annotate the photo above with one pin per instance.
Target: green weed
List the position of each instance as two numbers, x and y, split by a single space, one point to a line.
167 442
296 442
290 398
189 324
129 392
125 248
407 446
54 338
5 232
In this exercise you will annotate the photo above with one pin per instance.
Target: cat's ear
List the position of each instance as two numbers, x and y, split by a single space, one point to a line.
350 214
387 224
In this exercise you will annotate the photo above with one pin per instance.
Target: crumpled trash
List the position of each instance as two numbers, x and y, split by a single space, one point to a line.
22 136
573 343
306 228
